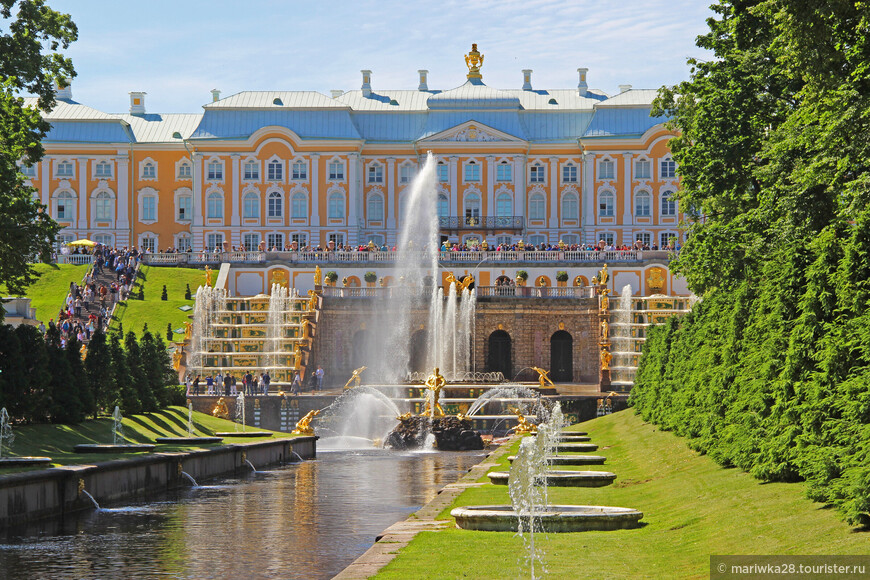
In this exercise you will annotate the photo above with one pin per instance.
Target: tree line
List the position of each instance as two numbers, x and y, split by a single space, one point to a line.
42 381
771 371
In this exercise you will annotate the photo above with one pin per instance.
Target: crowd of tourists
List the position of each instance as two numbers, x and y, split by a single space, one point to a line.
250 383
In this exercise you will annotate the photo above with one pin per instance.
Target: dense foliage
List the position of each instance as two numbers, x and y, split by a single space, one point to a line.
30 36
42 381
770 372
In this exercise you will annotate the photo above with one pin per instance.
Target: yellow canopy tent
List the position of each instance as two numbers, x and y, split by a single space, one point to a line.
82 243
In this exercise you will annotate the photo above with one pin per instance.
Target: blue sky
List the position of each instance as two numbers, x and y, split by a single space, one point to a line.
178 51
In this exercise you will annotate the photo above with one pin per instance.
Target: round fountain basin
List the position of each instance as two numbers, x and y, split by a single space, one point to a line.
576 447
189 440
109 448
553 519
563 478
23 461
243 434
571 459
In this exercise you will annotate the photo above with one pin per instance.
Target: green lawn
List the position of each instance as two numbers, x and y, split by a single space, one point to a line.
49 292
692 509
134 313
57 441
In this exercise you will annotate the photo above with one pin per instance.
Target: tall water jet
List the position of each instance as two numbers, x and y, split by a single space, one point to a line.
623 366
117 427
6 433
190 419
240 411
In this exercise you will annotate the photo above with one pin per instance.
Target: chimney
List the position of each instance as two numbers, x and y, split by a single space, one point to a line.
137 103
62 91
527 79
424 80
367 82
582 87
624 88
215 95
336 93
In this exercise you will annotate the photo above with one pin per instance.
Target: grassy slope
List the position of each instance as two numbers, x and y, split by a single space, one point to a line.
48 293
57 441
157 313
692 509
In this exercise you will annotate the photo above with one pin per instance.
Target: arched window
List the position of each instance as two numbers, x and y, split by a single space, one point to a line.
299 206
103 206
503 172
184 171
443 205
65 206
570 206
251 203
103 169
504 205
300 171
275 171
537 206
605 169
443 172
642 204
275 205
537 173
215 205
642 169
375 210
335 209
472 205
215 170
669 204
252 171
605 204
376 173
472 171
149 171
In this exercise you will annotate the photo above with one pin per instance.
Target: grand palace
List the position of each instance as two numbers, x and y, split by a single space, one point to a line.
538 165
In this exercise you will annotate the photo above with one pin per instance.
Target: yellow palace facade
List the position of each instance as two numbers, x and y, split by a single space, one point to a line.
270 168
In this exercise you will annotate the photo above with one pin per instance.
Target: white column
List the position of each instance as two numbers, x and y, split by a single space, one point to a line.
315 190
588 194
554 193
520 186
391 194
82 222
198 203
235 218
123 218
454 189
490 185
626 178
45 172
354 175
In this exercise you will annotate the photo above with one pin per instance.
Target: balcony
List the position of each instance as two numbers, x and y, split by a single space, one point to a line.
455 223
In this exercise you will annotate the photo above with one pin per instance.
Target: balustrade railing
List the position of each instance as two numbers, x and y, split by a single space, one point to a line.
482 291
77 259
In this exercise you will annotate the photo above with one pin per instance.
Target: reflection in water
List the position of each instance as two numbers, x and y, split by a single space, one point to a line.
308 520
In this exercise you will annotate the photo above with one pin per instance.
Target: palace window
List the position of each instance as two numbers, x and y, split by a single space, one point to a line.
335 206
666 237
443 172
149 244
251 205
537 206
185 171
472 205
669 169
669 204
252 171
183 243
215 242
605 169
103 206
472 172
65 206
300 170
299 206
149 171
185 207
570 239
406 173
504 205
537 239
336 171
375 208
609 238
103 169
337 239
300 239
149 208
215 170
215 205
503 172
642 204
275 171
275 205
104 239
536 173
275 241
643 238
376 173
605 204
570 206
65 169
569 174
27 170
642 169
251 241
443 205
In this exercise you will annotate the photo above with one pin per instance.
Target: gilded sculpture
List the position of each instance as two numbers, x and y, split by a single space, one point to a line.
434 383
606 357
404 417
207 276
604 301
523 424
605 329
318 279
603 276
474 60
297 358
303 426
543 379
220 410
355 377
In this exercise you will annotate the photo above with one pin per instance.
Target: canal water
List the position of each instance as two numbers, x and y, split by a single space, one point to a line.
306 520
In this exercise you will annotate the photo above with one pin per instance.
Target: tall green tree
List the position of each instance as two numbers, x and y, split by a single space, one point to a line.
36 392
98 367
31 35
123 393
137 376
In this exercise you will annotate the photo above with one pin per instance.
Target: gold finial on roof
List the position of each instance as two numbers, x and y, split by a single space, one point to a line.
474 60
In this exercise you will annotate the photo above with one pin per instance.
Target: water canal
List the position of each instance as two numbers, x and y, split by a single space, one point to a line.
307 520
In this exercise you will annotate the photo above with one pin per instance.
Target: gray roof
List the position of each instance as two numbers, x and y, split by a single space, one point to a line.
266 100
157 128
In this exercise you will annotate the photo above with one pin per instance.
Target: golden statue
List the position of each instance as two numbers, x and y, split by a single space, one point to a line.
305 328
595 280
604 300
605 329
434 383
521 246
220 410
467 281
603 276
523 425
318 280
188 329
404 417
207 276
279 277
297 357
303 426
176 359
474 60
606 357
656 280
543 379
484 246
355 377
83 351
312 302
561 245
